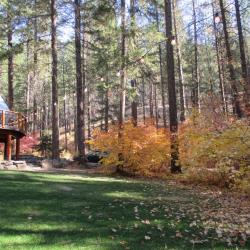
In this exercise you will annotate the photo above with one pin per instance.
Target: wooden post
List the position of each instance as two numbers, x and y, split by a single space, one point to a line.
3 119
17 148
5 151
8 148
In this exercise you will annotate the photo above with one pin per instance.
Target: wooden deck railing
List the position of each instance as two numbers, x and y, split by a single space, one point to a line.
13 121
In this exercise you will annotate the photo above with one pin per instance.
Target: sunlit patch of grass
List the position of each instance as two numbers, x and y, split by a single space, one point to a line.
134 195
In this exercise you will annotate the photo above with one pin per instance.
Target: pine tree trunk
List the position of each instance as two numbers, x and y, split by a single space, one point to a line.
75 124
89 113
55 113
10 63
143 101
151 104
133 81
175 167
106 111
44 114
180 70
88 96
220 68
156 107
65 109
196 71
245 76
233 83
27 89
122 81
163 101
34 116
48 115
134 105
79 85
123 54
102 125
83 86
34 75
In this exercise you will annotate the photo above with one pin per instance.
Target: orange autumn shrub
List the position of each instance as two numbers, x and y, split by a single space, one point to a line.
145 150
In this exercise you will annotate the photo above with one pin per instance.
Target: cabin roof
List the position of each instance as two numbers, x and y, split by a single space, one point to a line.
3 105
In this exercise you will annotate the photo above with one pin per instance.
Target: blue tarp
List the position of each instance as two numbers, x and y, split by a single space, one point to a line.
3 105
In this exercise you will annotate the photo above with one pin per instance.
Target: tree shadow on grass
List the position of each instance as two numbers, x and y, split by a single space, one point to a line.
74 212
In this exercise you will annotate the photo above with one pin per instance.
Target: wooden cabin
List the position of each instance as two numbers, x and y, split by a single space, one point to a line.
13 127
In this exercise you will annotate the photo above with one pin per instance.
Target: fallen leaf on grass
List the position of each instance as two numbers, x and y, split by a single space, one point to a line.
192 224
219 233
178 234
147 222
123 242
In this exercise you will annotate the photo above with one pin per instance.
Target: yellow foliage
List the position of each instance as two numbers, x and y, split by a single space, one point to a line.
212 151
216 156
145 150
206 147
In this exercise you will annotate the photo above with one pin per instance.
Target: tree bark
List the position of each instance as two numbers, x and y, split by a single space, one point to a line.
106 109
156 107
64 109
44 115
27 89
245 76
163 99
88 92
89 113
75 123
34 73
175 167
151 104
10 63
122 81
133 81
220 68
233 83
79 85
143 101
134 105
35 114
196 72
123 54
55 113
180 70
83 84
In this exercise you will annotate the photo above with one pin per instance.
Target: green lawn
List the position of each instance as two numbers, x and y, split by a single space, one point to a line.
57 211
